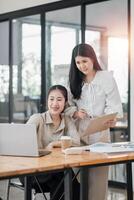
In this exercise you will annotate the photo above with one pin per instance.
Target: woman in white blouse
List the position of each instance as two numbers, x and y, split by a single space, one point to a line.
93 92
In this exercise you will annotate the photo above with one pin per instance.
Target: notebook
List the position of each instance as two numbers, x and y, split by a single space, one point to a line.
19 140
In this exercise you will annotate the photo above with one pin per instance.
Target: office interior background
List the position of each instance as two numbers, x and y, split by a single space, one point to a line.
36 41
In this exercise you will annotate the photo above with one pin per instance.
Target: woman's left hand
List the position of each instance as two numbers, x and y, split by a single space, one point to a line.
111 123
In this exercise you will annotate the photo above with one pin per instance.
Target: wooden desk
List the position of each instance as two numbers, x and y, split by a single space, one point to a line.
16 166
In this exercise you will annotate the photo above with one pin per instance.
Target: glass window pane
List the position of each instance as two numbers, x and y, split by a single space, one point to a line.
111 43
62 34
26 67
4 72
117 49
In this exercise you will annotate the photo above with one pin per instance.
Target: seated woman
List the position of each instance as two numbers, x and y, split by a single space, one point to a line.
51 125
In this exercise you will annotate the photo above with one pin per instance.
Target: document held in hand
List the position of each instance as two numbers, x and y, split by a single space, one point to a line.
97 124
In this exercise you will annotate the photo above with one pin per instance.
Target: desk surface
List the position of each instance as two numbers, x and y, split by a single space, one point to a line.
12 166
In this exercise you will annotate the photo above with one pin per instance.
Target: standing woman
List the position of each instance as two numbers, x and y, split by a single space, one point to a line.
93 92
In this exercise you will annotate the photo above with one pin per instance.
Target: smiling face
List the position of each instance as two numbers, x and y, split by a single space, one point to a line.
84 64
56 102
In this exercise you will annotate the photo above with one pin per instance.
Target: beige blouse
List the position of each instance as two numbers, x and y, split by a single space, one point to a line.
46 132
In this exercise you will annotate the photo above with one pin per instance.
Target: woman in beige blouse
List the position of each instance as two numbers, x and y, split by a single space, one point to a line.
51 125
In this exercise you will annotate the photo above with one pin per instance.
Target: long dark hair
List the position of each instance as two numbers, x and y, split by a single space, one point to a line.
75 76
61 88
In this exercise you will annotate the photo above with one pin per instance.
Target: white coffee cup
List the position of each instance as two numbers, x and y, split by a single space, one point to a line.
66 142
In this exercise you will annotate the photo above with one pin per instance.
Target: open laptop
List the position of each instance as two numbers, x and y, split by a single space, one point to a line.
19 140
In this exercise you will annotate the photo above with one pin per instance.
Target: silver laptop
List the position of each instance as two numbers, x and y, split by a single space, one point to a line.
19 140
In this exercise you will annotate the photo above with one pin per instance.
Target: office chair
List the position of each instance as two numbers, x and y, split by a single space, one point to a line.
19 185
38 188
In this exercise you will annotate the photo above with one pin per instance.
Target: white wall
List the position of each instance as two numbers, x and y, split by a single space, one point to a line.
12 5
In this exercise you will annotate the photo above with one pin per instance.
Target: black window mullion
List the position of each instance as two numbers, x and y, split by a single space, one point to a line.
10 71
43 66
129 64
83 21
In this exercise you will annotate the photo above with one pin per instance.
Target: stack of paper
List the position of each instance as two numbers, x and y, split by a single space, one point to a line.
111 147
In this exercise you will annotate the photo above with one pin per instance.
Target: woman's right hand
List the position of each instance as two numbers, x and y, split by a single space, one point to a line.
54 144
80 114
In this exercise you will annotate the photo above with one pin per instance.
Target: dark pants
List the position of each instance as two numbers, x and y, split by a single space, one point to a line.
49 183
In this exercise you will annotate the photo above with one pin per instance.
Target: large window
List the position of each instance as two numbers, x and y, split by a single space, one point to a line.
107 33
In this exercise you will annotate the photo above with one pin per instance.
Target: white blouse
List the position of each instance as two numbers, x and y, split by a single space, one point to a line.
101 96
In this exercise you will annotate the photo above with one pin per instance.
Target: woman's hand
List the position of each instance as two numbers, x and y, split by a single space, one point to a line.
111 123
54 144
80 114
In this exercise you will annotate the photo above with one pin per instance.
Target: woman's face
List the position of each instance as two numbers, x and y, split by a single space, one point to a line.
84 64
56 102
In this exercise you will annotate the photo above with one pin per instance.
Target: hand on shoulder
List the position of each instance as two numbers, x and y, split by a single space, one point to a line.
80 114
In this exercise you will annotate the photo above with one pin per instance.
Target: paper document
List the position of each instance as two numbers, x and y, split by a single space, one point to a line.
97 124
101 147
